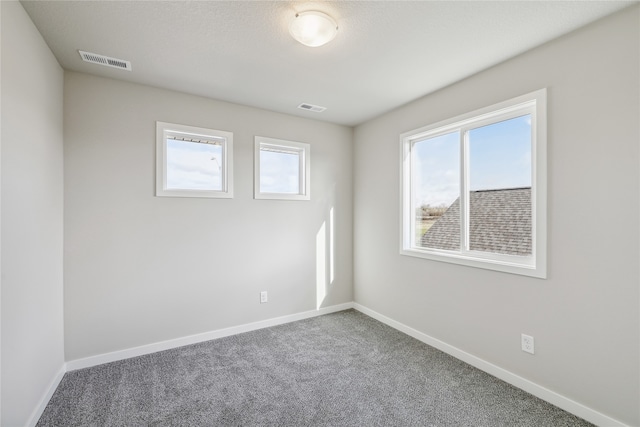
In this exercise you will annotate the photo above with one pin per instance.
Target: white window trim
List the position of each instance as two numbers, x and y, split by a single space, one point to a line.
165 129
536 264
304 169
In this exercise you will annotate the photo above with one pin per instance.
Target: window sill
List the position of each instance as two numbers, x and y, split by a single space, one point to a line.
524 266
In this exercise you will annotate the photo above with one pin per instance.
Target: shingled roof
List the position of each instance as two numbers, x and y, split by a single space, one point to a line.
500 222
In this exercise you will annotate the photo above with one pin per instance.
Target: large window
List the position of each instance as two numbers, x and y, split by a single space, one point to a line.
281 169
193 162
474 188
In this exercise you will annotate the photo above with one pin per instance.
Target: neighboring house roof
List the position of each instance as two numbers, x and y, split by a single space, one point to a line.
500 222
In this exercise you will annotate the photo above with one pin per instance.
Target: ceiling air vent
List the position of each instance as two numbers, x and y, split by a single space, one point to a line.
94 58
314 108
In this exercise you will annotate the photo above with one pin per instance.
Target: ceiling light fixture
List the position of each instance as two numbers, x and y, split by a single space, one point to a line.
313 28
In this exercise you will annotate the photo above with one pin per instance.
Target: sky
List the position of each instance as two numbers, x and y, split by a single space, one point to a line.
279 172
194 166
197 166
499 157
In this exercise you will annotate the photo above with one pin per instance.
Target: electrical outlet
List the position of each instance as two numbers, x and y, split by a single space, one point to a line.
263 297
527 344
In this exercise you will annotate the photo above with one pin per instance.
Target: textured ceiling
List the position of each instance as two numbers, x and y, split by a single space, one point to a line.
386 53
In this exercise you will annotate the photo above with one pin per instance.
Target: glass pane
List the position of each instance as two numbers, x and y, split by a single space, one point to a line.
500 187
435 192
279 172
194 166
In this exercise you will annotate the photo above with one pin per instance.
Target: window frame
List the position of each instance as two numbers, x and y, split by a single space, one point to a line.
304 171
163 130
533 103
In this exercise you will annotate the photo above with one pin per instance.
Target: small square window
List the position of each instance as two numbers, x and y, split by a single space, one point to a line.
193 162
281 169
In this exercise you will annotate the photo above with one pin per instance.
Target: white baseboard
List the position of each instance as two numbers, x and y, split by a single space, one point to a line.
194 339
37 412
543 393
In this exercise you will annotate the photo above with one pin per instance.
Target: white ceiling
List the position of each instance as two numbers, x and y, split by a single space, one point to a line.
386 53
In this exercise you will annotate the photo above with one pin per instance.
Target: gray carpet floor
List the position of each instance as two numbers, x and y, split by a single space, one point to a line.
341 369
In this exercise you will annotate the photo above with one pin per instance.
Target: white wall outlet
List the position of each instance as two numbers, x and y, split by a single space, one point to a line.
527 344
263 297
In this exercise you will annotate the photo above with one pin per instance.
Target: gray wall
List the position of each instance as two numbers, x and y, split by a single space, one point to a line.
585 317
31 225
141 269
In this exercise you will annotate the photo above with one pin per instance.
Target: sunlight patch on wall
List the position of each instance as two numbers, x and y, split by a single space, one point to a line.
332 245
321 265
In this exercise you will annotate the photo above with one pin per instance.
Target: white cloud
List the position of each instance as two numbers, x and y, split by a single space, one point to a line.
194 166
279 172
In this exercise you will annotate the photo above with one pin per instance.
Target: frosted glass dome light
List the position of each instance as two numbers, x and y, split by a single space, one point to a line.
313 28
